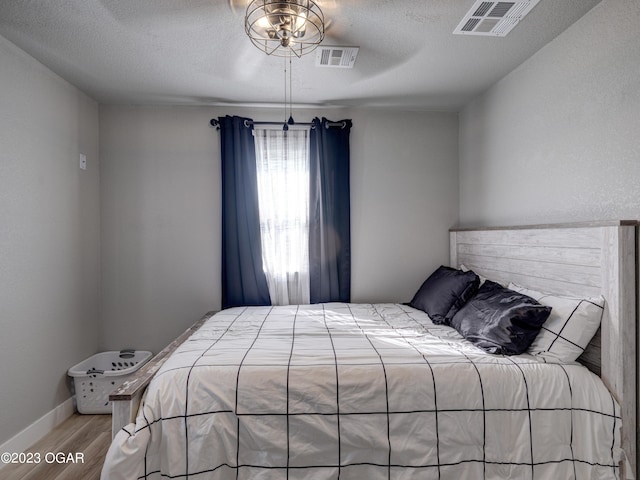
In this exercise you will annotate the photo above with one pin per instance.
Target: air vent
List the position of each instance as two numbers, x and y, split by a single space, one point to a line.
494 18
336 57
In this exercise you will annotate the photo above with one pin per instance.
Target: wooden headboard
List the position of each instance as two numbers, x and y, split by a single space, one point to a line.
586 259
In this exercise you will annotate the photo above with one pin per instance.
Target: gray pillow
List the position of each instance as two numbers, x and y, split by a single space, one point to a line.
444 293
499 320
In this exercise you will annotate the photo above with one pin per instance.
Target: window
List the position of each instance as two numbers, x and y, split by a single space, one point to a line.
302 209
282 161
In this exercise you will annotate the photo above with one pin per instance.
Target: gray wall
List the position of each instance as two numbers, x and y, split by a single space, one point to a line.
160 213
557 139
404 199
49 237
160 210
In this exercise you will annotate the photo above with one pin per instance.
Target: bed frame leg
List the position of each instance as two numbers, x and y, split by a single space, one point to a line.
123 413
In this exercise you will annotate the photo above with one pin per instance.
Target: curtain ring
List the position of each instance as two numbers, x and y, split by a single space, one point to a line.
246 123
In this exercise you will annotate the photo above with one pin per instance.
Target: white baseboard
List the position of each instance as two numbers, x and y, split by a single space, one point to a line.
38 429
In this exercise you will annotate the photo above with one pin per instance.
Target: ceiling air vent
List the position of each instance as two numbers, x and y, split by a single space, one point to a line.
494 18
336 57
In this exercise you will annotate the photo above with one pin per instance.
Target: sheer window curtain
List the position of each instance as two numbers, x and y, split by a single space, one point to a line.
282 160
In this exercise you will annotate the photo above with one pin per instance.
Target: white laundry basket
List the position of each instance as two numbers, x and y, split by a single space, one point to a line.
97 376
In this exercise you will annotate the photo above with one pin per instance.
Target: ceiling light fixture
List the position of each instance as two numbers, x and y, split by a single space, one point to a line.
285 27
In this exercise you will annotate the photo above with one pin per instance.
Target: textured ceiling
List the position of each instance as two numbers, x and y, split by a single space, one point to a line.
196 52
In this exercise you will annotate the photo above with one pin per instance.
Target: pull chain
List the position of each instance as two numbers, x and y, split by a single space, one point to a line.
285 126
290 121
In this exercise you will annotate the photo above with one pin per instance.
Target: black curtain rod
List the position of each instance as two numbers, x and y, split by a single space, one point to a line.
216 124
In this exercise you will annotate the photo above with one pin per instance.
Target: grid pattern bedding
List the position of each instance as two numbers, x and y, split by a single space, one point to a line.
362 391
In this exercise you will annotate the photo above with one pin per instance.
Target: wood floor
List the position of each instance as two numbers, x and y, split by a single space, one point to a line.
85 437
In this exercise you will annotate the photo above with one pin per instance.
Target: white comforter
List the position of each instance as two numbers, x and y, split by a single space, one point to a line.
365 392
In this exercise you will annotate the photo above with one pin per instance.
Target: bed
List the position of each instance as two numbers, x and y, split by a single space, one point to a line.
368 391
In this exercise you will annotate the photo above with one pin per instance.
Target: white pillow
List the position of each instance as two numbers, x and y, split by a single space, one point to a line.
570 327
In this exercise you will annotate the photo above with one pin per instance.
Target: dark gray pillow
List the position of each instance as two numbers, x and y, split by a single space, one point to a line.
444 293
500 320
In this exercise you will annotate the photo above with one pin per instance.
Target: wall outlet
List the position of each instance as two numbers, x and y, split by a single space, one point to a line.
83 161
